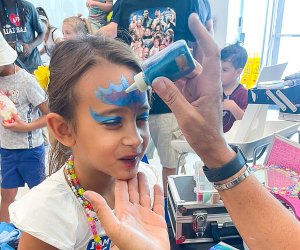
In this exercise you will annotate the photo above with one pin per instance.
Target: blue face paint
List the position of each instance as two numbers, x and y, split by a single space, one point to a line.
143 117
115 95
107 120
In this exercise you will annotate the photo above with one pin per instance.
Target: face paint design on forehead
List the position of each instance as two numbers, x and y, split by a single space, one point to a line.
115 95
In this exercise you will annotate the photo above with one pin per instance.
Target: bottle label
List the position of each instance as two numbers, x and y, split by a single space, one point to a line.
182 63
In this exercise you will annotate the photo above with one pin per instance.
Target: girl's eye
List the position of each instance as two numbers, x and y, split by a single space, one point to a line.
143 117
112 122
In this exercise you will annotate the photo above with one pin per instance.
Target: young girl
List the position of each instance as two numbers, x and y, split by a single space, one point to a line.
53 35
101 133
75 27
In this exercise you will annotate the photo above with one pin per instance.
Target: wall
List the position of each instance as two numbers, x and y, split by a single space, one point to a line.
220 14
58 10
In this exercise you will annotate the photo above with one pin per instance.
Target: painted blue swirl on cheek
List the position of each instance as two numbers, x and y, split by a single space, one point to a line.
115 95
105 119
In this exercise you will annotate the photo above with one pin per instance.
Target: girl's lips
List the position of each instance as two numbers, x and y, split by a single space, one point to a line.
130 157
130 162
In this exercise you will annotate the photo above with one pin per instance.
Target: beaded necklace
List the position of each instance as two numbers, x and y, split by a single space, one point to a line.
87 206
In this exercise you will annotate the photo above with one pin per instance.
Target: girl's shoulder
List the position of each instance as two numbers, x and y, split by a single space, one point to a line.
53 189
52 199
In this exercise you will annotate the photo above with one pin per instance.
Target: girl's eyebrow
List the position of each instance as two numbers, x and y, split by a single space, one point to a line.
109 111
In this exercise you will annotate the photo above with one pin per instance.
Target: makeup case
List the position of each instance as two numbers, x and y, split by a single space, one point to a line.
199 221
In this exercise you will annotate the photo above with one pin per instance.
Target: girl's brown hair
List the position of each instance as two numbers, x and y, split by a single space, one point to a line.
69 61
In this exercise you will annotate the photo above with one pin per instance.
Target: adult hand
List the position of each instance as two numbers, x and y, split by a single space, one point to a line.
198 106
27 49
134 225
17 126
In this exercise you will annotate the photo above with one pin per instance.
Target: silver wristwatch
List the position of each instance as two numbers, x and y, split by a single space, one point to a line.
234 181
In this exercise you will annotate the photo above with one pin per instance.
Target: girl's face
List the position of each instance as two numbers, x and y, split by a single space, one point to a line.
68 31
111 126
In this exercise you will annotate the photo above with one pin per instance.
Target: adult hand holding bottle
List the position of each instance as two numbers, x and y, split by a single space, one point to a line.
198 110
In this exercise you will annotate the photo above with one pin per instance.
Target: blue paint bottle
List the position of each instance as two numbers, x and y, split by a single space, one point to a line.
173 62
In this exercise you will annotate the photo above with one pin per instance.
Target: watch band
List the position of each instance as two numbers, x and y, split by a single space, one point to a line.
229 169
233 182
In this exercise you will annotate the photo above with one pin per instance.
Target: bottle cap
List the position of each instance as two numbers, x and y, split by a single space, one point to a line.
139 83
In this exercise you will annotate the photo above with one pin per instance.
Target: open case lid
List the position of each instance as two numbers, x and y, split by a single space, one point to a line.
283 159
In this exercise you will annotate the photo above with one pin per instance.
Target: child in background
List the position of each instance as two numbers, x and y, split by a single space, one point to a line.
22 144
98 11
75 27
233 58
101 134
53 35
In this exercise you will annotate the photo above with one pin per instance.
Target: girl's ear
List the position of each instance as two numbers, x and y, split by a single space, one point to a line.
62 131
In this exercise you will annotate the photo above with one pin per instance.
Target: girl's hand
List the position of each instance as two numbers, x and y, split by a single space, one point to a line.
17 126
135 224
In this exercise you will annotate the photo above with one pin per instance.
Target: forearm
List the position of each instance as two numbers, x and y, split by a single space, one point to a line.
260 219
39 123
38 40
109 30
237 112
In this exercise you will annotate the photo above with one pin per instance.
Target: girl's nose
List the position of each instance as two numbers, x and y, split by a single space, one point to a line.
133 137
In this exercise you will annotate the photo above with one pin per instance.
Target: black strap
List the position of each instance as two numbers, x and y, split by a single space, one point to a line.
52 34
229 169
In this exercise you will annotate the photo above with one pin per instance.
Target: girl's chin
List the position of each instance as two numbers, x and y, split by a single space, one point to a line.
127 176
